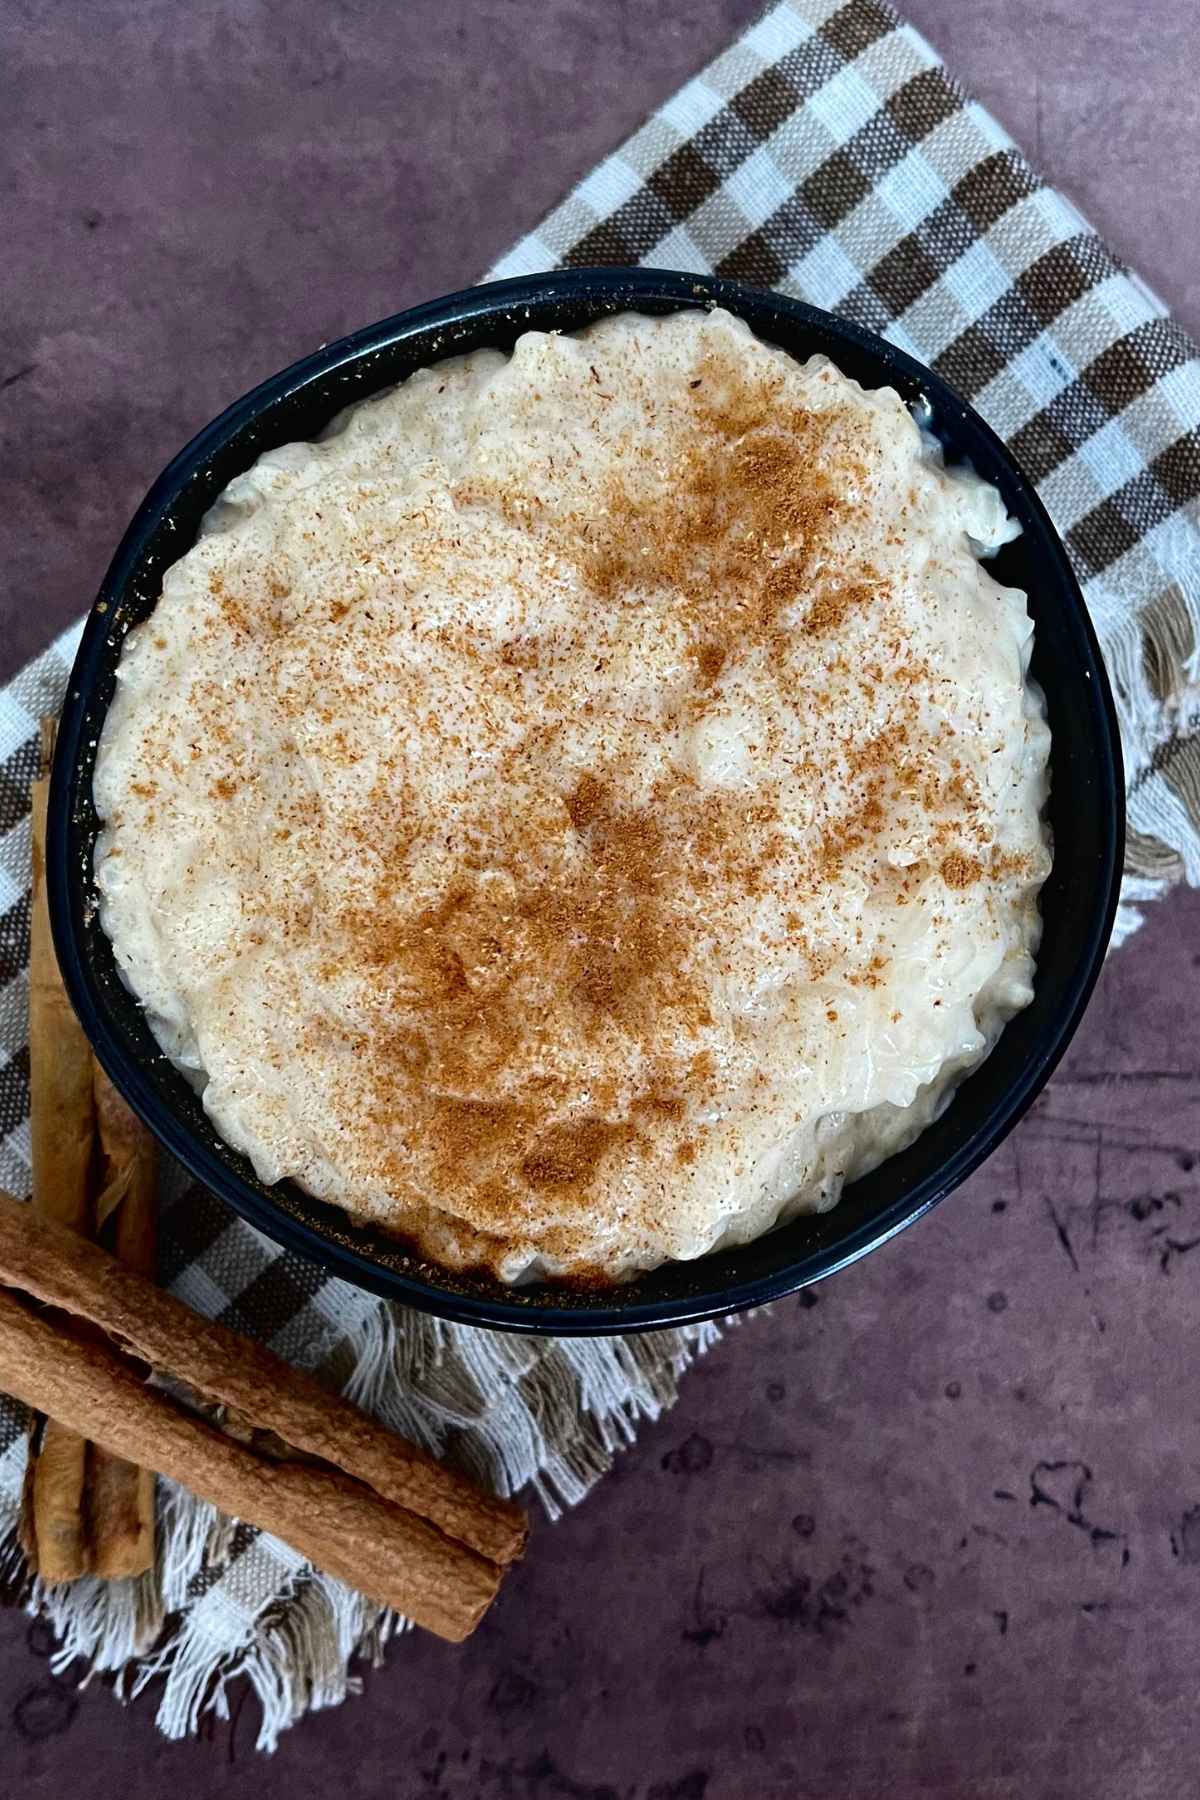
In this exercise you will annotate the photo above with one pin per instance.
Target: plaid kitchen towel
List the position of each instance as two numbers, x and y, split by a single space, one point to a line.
827 154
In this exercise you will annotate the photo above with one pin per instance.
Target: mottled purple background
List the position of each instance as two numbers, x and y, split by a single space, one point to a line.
935 1530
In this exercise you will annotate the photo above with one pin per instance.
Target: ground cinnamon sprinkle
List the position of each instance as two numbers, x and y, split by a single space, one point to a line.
569 1155
1005 863
710 660
828 613
585 801
960 871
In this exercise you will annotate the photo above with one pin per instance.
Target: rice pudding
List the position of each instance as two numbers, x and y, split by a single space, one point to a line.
586 808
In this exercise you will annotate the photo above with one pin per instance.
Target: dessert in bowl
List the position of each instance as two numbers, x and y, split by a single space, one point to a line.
570 813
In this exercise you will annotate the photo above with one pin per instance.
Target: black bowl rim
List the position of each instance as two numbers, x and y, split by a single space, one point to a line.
630 286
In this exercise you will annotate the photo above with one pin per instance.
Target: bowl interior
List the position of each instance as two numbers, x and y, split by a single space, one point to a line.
1085 811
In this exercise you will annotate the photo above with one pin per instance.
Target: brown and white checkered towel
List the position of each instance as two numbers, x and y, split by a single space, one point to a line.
827 154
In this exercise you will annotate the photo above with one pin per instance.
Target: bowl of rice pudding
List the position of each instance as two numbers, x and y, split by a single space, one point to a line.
589 804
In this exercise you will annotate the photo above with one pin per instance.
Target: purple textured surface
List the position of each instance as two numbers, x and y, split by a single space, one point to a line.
938 1533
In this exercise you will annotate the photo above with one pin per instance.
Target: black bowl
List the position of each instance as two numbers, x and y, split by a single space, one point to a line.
1086 811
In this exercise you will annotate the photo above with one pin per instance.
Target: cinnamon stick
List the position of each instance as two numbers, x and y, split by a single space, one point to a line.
120 1494
61 1129
94 1168
57 1488
338 1523
125 1182
60 1060
229 1370
375 1511
119 1500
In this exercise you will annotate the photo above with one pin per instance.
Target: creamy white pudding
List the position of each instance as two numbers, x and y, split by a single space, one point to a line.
587 807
